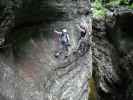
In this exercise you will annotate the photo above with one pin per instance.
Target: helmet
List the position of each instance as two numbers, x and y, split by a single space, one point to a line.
64 30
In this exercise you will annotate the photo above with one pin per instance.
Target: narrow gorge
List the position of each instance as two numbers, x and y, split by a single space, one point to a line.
100 69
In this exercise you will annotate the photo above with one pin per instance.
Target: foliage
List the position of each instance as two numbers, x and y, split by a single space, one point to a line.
131 6
98 9
117 2
92 93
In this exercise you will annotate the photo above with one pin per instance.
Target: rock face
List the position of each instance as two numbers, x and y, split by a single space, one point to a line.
112 55
29 70
19 13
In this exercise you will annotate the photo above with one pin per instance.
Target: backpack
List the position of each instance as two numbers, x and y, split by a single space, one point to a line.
64 37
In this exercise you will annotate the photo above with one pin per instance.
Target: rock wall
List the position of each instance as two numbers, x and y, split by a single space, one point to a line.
29 69
112 55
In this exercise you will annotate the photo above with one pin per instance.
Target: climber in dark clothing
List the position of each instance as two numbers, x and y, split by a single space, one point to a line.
81 47
82 28
64 40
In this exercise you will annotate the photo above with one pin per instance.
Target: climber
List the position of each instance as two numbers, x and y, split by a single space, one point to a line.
81 47
82 28
64 41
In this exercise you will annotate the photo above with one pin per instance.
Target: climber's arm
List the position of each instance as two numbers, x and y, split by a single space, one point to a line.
57 32
81 29
68 37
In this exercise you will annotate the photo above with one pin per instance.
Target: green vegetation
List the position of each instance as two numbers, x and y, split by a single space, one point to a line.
92 93
99 7
131 6
117 2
